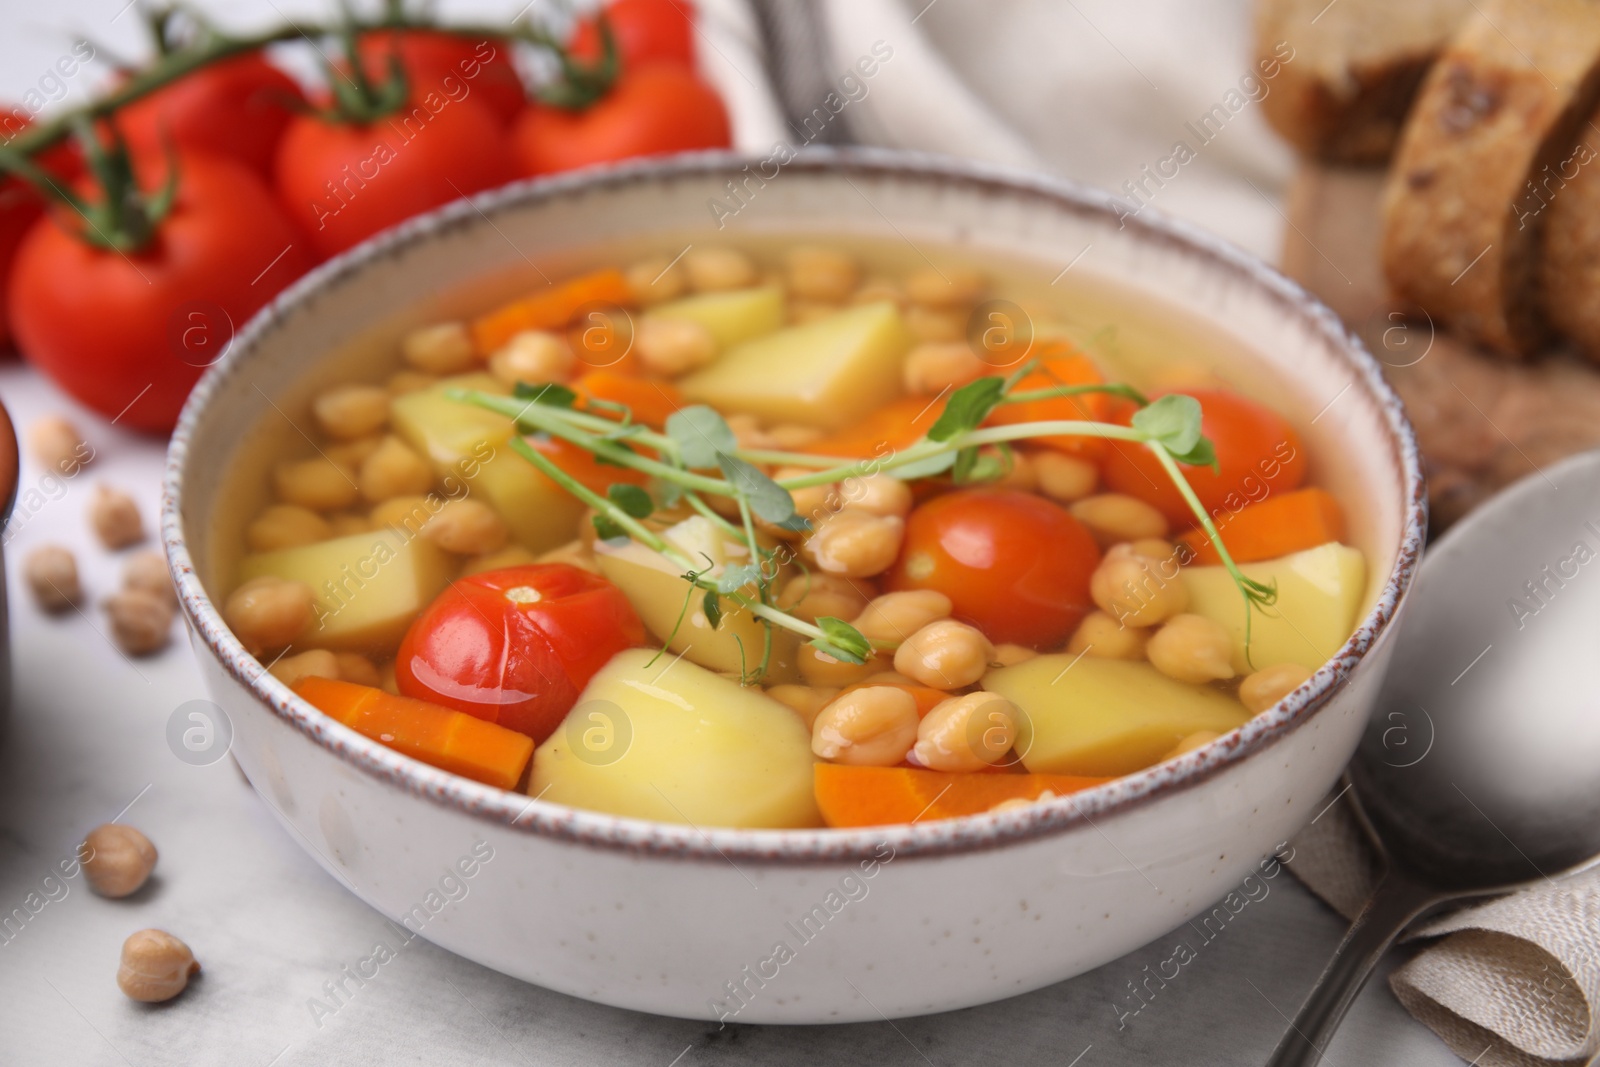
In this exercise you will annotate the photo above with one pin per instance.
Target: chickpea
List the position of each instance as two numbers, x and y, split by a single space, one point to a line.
815 502
115 518
857 544
348 523
893 617
286 526
1064 478
715 269
1156 548
467 527
269 612
394 470
944 655
409 513
889 678
317 663
804 311
934 367
819 273
52 575
1021 474
351 411
947 287
813 596
147 571
966 733
1198 739
155 966
354 667
874 726
1113 517
1264 688
673 347
116 859
1135 589
515 556
1192 648
443 348
930 325
318 484
825 672
57 446
803 700
656 280
1101 635
410 381
877 494
1010 655
141 622
880 290
532 356
352 454
789 435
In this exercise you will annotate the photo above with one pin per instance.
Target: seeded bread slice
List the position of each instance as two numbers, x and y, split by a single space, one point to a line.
1568 192
1354 68
1505 98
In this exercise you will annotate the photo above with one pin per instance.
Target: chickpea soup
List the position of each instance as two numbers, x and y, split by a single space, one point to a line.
793 535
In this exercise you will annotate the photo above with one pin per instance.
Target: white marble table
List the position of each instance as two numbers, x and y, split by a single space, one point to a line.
86 740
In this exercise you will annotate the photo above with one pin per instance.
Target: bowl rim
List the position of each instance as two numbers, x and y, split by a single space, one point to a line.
530 815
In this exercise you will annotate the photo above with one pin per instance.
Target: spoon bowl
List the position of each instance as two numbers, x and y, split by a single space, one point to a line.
1479 771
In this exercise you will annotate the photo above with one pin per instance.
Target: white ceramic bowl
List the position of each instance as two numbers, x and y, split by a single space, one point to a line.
818 925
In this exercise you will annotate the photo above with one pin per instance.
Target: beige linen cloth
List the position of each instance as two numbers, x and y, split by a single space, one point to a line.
1095 90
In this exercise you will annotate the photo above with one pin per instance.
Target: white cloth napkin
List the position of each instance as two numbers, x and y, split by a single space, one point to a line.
1514 982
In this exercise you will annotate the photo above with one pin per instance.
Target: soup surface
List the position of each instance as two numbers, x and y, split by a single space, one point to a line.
793 535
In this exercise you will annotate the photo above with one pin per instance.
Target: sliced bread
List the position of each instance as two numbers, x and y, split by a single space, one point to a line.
1504 100
1356 66
1568 192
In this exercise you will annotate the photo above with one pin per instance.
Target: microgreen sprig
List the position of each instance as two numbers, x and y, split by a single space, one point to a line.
697 439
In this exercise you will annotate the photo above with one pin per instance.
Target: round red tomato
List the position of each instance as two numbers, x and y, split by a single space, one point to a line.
1258 453
447 64
20 204
344 182
660 107
644 31
129 333
516 646
238 107
1014 565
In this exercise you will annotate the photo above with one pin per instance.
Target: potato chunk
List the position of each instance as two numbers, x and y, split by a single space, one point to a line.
732 317
656 739
826 373
1094 717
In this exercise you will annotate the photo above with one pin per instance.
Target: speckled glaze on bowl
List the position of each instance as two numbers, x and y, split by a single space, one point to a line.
798 926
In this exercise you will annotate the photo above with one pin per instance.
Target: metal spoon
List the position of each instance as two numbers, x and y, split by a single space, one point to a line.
1480 768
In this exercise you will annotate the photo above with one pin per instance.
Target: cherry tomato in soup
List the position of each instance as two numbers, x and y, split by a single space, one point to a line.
237 107
1258 454
651 109
644 31
343 182
450 65
516 646
1014 565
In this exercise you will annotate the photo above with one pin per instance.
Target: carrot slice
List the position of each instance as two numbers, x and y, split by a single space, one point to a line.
651 401
1280 524
584 466
881 796
550 309
450 740
1059 365
893 427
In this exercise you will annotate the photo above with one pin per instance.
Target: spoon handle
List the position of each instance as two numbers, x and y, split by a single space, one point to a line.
1394 904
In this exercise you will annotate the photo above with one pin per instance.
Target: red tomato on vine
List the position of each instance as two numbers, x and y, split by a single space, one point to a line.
430 57
645 31
649 110
236 107
129 330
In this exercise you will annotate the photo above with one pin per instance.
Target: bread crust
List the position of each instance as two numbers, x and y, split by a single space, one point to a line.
1569 269
1504 100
